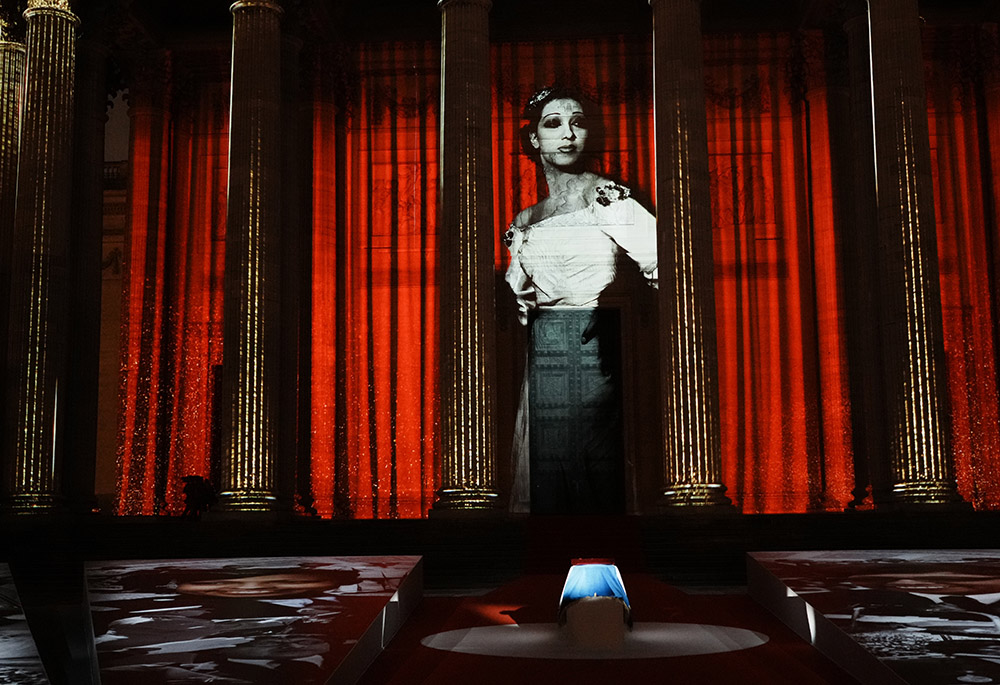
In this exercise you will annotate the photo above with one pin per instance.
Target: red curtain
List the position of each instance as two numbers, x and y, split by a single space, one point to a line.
782 364
172 304
142 309
963 96
784 400
374 360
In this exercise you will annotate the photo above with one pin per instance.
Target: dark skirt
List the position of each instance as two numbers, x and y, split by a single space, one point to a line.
575 433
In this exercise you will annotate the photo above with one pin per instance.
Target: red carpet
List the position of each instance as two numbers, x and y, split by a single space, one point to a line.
784 660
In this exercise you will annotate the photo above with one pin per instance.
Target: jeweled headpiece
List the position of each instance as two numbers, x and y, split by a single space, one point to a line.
539 97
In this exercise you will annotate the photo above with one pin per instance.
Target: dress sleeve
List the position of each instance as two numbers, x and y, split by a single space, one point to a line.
634 230
518 279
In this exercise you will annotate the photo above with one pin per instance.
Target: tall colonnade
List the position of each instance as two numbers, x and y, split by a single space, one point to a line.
41 242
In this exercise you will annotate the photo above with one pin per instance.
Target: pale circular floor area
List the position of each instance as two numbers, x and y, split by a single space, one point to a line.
547 641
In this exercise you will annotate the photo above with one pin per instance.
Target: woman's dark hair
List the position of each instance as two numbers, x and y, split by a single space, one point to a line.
532 114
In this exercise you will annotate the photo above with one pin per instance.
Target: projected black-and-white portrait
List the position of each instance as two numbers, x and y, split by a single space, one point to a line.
568 253
254 620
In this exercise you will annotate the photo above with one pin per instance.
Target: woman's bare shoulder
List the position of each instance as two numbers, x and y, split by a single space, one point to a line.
601 181
528 216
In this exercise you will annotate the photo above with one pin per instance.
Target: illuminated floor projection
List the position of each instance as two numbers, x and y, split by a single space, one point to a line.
891 616
594 622
19 661
548 641
301 620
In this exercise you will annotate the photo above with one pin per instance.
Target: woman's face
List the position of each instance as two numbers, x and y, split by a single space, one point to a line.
561 134
273 585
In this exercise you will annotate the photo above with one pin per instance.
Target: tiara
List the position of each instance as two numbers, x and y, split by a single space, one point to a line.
539 97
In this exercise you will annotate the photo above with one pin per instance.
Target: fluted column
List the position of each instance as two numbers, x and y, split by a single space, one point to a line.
911 327
468 369
86 245
11 71
296 282
36 374
859 247
689 376
251 331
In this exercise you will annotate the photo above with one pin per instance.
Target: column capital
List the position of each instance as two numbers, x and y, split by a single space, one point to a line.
485 4
61 7
11 45
261 4
49 4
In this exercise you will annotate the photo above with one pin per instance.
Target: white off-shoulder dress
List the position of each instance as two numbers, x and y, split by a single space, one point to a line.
568 261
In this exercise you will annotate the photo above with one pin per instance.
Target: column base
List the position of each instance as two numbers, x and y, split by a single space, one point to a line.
466 499
694 495
248 502
33 503
925 493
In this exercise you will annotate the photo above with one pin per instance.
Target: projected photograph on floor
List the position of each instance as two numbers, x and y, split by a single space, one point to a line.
236 620
931 616
19 660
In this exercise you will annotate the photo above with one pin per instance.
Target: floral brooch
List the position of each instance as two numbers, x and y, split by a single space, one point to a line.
612 192
508 237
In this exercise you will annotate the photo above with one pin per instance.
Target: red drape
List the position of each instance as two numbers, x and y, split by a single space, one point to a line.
142 309
172 304
782 363
964 118
374 362
784 400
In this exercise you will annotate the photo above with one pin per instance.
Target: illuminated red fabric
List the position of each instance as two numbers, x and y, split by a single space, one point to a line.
172 304
965 150
142 311
782 364
785 408
783 376
374 361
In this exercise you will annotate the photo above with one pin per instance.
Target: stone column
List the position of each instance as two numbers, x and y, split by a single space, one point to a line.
468 369
11 71
859 248
911 328
689 358
36 373
296 282
86 246
251 302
